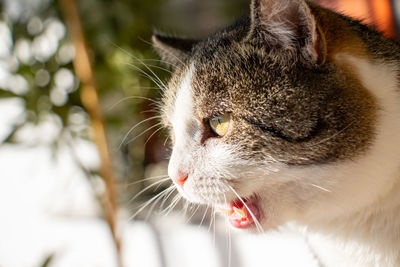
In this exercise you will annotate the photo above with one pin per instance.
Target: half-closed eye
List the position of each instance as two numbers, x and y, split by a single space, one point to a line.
220 124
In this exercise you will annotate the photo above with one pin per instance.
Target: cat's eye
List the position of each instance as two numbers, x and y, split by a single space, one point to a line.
220 124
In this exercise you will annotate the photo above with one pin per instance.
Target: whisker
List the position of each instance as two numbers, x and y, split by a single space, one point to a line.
209 227
145 87
185 208
150 111
154 203
188 208
175 67
177 58
159 67
148 203
194 212
151 71
151 65
162 61
158 186
172 205
229 235
146 179
148 76
147 188
166 198
322 188
332 136
204 216
142 62
214 224
159 129
166 140
129 98
134 127
145 131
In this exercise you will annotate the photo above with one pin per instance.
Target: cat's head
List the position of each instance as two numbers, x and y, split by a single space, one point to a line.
260 113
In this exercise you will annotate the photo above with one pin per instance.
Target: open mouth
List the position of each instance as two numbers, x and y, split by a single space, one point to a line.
244 213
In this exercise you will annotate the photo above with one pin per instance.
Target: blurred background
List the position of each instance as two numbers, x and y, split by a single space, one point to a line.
83 157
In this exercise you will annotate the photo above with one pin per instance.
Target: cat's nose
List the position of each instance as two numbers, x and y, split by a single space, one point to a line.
181 178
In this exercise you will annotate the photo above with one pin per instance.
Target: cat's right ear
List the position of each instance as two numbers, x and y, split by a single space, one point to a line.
288 25
172 50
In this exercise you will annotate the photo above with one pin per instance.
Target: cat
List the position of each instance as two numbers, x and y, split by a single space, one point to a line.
291 115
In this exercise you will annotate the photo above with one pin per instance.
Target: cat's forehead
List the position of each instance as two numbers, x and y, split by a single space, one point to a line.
227 72
233 77
230 75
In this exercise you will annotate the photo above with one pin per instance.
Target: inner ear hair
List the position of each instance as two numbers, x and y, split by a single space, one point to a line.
173 51
320 46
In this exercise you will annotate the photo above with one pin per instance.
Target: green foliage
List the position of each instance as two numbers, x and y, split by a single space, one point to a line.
40 71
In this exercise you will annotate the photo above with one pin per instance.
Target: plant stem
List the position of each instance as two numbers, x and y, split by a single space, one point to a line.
90 101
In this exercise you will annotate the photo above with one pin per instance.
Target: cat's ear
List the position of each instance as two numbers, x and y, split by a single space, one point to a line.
172 50
286 24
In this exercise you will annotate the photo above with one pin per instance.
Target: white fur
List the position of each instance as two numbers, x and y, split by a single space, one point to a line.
183 108
182 116
359 223
204 163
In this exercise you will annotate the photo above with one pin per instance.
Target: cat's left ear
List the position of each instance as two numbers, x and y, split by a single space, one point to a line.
172 50
287 25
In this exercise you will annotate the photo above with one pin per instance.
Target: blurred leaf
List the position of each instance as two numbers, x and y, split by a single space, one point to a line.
47 261
6 94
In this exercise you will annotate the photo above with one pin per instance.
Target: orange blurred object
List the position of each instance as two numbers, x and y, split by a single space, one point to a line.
373 12
383 16
358 9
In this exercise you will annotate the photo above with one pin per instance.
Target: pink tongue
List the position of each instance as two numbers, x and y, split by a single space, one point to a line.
239 215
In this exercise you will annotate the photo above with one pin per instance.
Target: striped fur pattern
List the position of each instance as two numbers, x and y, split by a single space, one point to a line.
315 130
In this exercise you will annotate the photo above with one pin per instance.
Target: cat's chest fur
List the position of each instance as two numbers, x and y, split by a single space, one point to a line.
369 236
292 115
363 230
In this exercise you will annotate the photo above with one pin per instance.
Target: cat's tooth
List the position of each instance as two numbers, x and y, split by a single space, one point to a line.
240 212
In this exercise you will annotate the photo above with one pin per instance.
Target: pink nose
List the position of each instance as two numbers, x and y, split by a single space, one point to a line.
181 179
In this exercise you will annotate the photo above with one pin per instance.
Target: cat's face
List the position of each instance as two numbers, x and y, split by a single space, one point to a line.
267 125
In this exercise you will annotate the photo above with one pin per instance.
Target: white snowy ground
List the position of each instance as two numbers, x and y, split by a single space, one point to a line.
47 207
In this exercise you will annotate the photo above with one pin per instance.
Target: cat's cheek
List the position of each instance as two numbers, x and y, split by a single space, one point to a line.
190 192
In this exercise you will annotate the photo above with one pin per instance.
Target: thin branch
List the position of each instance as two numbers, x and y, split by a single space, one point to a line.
90 101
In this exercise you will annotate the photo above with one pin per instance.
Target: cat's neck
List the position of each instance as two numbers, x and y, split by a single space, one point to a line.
367 237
